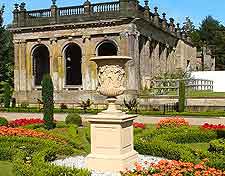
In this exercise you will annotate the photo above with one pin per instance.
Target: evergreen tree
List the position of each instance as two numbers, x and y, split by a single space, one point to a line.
211 34
48 101
6 52
182 96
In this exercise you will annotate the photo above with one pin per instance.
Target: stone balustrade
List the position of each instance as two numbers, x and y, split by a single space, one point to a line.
100 11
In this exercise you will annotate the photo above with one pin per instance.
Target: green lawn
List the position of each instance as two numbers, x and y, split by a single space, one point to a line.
192 93
205 94
192 114
6 169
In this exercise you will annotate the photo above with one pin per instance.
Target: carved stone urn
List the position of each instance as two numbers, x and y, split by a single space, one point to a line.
111 77
112 146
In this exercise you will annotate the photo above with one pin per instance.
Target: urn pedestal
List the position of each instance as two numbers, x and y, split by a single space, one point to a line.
112 146
111 142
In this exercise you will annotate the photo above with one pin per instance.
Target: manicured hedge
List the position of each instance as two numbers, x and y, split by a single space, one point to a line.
171 143
217 146
31 156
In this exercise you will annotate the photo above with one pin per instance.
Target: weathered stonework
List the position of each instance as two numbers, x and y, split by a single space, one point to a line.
134 32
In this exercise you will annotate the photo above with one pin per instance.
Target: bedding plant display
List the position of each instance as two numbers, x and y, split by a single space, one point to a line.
31 151
174 139
25 121
188 150
173 168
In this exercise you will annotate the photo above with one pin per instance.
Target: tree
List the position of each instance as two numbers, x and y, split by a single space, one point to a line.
6 53
211 34
7 95
182 96
48 101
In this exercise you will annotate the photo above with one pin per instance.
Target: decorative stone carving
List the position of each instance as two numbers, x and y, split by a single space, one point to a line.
111 74
111 78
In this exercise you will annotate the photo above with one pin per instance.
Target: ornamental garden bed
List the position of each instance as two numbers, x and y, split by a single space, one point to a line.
192 150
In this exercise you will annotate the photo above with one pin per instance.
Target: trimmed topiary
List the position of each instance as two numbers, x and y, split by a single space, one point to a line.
3 121
181 96
7 94
48 102
73 118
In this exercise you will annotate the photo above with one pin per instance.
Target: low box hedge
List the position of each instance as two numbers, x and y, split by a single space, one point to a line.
31 156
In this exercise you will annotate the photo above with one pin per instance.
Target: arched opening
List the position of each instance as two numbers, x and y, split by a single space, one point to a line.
73 56
41 63
107 48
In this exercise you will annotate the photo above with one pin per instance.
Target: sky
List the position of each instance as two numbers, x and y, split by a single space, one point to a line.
178 9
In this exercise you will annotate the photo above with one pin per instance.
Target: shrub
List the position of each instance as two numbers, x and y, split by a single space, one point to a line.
73 118
3 121
131 105
164 149
173 122
217 146
13 102
86 104
63 106
31 156
48 102
181 96
24 105
186 135
7 93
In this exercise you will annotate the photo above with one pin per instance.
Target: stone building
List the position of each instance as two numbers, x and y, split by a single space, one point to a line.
61 41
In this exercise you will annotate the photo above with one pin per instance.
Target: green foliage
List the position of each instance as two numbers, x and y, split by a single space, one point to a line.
73 118
48 101
78 138
131 105
63 106
182 95
7 94
179 144
217 146
6 55
3 121
86 104
13 102
31 156
24 105
212 35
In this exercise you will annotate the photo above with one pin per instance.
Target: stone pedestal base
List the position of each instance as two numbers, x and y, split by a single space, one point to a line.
111 142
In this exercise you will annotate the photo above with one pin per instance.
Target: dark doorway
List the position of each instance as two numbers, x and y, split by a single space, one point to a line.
107 49
73 57
41 64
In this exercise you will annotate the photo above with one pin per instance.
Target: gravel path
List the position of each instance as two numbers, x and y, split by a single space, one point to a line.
79 162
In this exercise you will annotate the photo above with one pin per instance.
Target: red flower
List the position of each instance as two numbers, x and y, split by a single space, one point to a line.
24 122
213 127
139 125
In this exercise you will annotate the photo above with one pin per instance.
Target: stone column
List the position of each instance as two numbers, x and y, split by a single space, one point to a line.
22 60
156 63
29 68
89 75
54 64
145 63
134 65
16 67
165 60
